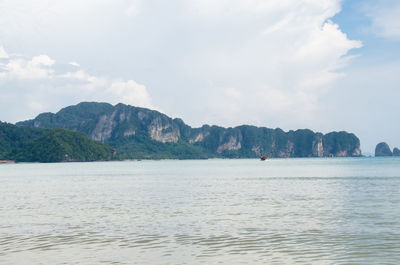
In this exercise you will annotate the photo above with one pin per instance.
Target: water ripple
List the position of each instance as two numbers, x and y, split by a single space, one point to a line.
207 212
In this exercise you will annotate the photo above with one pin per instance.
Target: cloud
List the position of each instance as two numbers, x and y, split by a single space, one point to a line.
35 85
132 92
42 60
280 56
75 64
3 54
207 61
36 68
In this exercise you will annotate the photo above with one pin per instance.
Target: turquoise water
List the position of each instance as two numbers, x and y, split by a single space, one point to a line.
281 211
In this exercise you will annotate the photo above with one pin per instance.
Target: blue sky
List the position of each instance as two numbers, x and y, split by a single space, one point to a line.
357 24
319 64
372 78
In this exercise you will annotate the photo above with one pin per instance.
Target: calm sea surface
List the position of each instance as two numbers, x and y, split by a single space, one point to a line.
281 211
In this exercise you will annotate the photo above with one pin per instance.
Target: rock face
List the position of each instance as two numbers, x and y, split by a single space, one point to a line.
143 133
383 149
232 144
164 133
104 128
318 148
396 151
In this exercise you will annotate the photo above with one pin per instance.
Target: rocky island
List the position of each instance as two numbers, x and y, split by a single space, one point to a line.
383 149
396 151
147 134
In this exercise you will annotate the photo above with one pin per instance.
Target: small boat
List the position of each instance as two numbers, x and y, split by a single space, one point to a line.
263 158
6 161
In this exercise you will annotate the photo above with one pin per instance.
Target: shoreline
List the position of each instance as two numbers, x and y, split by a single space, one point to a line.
205 159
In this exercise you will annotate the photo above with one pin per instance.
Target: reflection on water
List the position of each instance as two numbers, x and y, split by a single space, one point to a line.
303 211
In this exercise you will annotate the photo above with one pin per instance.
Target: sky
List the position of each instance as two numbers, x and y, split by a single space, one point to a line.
326 65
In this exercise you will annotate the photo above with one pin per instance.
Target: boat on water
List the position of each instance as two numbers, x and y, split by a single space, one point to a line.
6 161
263 158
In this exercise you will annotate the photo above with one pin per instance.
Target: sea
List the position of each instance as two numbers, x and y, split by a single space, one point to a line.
239 211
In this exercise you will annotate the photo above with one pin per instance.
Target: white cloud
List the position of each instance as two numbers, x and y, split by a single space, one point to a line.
208 61
42 60
88 82
33 20
3 53
34 86
281 56
326 41
75 64
132 93
36 68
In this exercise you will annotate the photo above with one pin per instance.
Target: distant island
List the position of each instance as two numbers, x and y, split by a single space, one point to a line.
383 149
100 131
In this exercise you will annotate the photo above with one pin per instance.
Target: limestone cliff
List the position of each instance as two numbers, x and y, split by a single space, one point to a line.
165 133
383 149
232 144
144 133
104 127
318 148
396 151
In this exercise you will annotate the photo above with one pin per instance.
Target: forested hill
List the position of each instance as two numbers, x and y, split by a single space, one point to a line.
143 133
25 144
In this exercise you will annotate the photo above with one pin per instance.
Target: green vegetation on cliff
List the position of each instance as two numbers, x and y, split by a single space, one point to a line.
383 149
145 148
143 133
13 137
25 144
341 144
